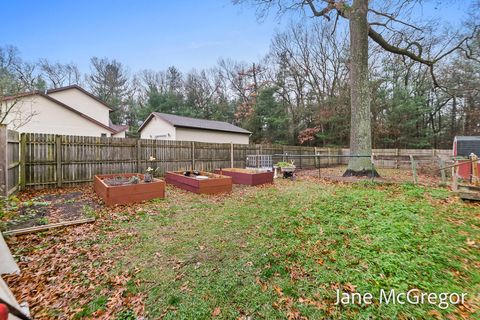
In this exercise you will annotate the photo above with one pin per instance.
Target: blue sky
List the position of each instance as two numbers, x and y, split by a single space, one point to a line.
147 33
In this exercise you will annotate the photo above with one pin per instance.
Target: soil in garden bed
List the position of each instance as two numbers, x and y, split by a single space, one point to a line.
194 174
40 208
124 181
241 170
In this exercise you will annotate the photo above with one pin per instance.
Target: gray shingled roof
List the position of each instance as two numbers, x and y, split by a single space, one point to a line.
187 122
467 138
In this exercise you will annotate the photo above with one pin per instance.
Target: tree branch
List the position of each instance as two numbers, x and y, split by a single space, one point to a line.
324 11
393 18
377 37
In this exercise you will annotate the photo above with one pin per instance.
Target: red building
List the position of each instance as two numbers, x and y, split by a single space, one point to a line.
463 147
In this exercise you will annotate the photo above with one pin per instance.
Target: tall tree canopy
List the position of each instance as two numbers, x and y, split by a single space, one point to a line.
299 92
374 20
109 81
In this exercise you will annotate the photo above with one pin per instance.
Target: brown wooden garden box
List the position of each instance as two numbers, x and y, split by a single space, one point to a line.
214 184
124 194
247 176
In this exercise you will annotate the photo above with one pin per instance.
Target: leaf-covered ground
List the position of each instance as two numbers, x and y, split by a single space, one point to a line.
271 252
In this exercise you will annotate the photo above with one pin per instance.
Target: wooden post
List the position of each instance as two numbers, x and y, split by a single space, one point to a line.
475 178
231 155
193 155
397 153
139 154
3 161
442 172
455 177
58 152
23 158
315 158
300 153
414 170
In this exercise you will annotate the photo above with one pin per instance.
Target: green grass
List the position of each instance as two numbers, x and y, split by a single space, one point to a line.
281 251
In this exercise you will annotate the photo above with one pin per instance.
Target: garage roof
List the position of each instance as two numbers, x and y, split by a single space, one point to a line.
187 122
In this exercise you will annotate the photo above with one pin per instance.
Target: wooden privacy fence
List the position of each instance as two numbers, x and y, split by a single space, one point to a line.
47 160
9 161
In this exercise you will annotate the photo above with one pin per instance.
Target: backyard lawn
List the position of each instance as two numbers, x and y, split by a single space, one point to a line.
272 252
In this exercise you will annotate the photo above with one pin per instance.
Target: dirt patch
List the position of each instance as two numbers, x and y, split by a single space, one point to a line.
51 206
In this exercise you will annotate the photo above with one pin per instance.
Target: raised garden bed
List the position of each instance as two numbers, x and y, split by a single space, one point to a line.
202 182
118 189
249 177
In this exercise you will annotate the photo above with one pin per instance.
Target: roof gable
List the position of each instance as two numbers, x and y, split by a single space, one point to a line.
43 95
76 87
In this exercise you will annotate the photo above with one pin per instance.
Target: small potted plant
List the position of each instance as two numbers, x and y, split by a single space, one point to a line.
287 168
149 173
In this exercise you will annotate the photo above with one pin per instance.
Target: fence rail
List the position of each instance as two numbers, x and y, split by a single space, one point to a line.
47 160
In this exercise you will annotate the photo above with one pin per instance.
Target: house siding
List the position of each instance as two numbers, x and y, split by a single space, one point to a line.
212 136
158 129
49 117
83 103
119 135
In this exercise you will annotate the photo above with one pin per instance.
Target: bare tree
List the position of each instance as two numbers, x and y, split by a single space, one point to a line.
311 73
16 76
59 75
378 22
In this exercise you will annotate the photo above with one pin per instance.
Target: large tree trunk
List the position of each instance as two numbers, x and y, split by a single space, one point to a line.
360 128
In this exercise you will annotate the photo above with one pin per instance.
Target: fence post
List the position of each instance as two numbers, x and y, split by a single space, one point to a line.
414 170
193 155
442 172
455 177
23 158
139 154
300 157
58 152
231 155
3 161
397 153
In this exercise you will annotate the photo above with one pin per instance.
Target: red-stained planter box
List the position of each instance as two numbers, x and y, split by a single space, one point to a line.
124 194
214 184
247 176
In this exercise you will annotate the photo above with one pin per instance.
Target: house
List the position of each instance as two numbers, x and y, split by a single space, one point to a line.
68 110
172 127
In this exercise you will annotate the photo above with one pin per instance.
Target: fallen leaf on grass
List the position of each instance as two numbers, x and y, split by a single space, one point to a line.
435 313
349 287
263 285
216 312
470 242
278 290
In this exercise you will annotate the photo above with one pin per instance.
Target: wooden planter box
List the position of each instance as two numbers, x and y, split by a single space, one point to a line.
214 184
247 176
132 193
